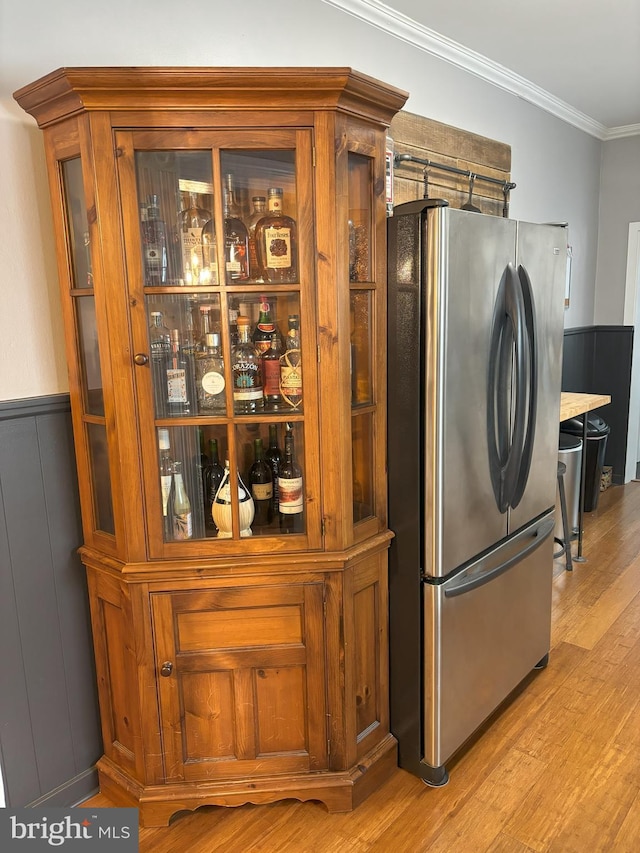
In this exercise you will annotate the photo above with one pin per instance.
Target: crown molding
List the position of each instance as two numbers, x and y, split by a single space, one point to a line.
399 26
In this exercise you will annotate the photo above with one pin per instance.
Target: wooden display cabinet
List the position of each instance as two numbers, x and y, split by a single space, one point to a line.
241 661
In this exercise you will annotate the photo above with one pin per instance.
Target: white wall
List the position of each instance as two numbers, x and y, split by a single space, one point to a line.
555 166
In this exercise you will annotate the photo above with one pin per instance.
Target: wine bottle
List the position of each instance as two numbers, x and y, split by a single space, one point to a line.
265 327
179 380
277 242
154 244
236 237
210 378
222 506
182 517
291 365
273 457
212 477
270 363
290 489
248 395
261 485
166 482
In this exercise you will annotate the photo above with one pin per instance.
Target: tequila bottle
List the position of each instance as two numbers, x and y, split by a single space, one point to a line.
210 377
248 396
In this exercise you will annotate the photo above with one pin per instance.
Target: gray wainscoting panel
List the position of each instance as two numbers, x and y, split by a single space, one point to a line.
49 723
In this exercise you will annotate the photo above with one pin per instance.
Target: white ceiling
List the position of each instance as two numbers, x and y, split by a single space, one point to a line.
584 54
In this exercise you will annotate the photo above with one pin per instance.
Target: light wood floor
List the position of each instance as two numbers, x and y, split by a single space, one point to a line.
557 769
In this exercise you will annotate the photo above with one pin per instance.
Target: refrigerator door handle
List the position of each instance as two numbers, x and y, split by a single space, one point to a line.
540 534
505 447
532 384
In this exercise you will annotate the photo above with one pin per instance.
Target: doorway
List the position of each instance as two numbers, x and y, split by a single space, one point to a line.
632 318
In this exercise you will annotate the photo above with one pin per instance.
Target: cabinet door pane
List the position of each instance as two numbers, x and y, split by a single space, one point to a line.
78 226
361 326
89 355
362 426
360 213
102 497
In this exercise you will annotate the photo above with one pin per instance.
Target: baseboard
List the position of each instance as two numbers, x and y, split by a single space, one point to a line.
72 792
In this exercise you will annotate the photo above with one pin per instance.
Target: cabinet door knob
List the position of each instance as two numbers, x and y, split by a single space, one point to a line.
141 359
166 669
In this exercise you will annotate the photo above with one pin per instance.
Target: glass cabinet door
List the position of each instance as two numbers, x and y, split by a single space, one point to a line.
228 317
363 323
88 350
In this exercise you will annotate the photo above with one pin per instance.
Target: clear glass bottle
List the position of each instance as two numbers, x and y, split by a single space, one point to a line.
236 237
160 349
261 485
222 507
265 327
290 489
182 517
212 478
178 380
259 203
248 395
291 366
210 377
191 222
277 242
209 272
166 482
154 244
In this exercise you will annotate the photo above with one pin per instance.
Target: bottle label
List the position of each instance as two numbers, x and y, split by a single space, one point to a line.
290 496
182 526
271 377
262 491
212 382
165 488
177 385
277 243
192 253
247 381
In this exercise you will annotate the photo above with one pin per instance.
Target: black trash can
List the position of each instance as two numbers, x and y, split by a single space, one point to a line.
597 433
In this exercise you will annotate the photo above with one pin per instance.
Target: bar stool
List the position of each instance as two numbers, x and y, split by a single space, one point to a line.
566 530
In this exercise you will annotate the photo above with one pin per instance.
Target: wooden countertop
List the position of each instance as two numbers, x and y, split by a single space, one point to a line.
573 404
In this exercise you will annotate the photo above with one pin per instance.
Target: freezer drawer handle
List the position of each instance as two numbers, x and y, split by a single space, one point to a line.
539 536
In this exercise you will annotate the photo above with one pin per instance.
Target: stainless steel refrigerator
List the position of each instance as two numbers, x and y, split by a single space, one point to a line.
475 352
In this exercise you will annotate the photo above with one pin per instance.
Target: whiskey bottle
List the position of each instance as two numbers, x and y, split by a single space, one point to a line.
212 478
182 518
210 377
248 395
160 348
154 245
190 225
265 327
273 458
259 203
277 242
261 485
166 483
270 363
179 380
290 485
291 365
236 238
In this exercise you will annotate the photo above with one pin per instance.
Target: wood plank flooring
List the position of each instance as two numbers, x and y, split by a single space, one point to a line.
556 769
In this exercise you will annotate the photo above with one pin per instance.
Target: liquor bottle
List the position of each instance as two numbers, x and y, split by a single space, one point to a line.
291 365
160 348
209 272
248 396
265 327
277 242
212 477
210 378
270 363
261 485
182 518
166 482
179 380
290 496
222 507
205 328
190 224
273 458
154 244
259 203
236 238
233 320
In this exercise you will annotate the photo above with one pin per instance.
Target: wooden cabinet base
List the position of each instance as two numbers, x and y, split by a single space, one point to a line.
339 792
